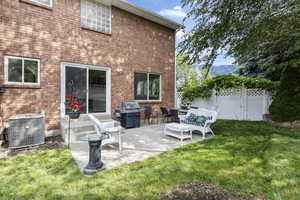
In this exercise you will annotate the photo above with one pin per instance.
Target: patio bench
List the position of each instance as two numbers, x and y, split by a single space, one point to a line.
199 120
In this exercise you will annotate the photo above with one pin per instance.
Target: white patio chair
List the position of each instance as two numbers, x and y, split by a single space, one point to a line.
211 117
107 127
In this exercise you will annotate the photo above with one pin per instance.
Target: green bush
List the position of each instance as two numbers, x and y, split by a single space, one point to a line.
204 90
286 104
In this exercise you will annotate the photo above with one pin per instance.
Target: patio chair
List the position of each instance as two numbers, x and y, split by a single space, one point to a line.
193 120
165 113
174 115
116 115
108 128
184 107
147 113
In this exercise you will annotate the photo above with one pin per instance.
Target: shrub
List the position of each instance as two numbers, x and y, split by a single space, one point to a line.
286 104
221 82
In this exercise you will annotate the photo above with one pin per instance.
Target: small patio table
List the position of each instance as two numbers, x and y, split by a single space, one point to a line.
95 164
180 131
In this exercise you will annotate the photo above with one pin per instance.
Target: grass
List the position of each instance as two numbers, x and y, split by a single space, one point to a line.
246 157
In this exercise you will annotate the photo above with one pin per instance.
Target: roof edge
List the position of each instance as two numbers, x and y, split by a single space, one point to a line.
141 12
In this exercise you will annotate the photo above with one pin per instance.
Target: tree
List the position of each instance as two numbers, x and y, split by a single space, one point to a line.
263 36
286 106
186 74
242 28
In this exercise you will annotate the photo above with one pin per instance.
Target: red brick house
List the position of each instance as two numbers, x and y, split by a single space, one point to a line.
104 51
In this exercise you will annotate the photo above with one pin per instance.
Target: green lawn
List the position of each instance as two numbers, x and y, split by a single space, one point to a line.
245 157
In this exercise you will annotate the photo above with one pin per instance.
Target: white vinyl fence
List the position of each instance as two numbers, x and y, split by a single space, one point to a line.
237 104
178 99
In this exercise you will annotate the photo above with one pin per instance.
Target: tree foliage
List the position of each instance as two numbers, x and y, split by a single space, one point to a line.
221 82
263 30
286 104
186 75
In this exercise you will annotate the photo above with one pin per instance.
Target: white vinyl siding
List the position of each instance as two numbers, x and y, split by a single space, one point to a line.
96 16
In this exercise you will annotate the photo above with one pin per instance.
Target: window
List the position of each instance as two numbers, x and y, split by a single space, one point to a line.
96 16
22 70
47 3
146 86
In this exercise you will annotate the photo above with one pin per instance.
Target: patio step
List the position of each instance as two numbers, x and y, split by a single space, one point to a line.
79 127
76 137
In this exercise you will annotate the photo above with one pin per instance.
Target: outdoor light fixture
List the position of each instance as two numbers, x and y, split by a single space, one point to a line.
119 69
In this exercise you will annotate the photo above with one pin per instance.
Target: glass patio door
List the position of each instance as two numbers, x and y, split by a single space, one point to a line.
97 91
76 79
89 85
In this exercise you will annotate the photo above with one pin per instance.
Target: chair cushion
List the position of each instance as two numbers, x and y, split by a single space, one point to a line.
209 117
191 117
201 120
192 123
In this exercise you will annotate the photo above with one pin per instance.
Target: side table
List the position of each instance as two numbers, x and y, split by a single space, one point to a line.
179 131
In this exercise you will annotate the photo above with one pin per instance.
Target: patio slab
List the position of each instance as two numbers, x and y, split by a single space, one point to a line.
137 144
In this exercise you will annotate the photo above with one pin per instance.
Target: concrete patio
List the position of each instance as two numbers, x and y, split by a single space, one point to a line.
137 144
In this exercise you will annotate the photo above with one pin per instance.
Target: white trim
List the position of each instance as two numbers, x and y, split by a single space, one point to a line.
148 86
108 86
22 83
38 2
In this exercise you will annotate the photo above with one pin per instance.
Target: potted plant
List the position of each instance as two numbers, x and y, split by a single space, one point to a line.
73 106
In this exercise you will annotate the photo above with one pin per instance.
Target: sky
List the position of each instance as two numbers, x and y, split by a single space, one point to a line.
172 9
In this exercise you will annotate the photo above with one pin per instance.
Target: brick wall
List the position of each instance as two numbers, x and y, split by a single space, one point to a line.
55 36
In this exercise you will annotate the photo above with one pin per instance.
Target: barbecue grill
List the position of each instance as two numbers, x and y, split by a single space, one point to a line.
130 114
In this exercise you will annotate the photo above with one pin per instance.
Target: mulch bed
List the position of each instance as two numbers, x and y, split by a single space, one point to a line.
203 191
52 142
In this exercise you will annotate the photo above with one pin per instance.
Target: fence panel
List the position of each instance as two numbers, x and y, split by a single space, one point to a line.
255 104
178 99
236 104
229 104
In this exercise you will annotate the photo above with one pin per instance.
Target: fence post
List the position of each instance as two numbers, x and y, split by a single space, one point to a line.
265 103
244 106
215 99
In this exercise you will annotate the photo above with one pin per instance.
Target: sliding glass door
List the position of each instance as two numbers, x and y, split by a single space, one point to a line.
89 84
76 79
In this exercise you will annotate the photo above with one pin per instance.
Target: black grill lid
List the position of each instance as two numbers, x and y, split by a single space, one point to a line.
130 106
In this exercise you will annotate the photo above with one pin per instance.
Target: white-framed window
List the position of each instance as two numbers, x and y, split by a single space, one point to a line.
21 71
96 16
147 86
47 3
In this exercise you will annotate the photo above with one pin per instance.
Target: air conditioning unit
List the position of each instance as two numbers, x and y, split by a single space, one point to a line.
26 130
